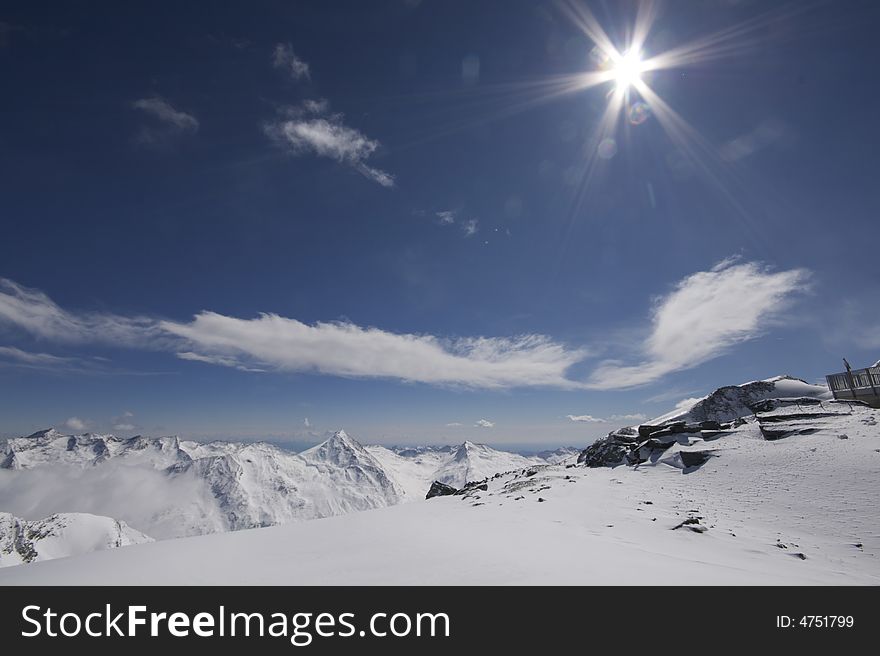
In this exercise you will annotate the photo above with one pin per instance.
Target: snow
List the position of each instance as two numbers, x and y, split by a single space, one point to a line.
759 506
169 488
414 469
61 535
728 403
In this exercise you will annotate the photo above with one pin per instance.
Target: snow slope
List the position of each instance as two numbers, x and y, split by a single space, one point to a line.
416 468
763 509
60 535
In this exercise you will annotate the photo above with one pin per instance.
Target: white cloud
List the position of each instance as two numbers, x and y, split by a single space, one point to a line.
454 424
307 423
34 312
216 359
124 422
447 217
470 227
162 110
272 342
327 136
316 106
590 419
484 423
586 419
633 417
349 350
703 317
75 423
34 359
284 58
171 122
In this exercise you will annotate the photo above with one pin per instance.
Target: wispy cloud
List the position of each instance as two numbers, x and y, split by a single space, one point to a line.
638 416
470 227
703 317
168 122
216 359
28 358
124 422
484 423
454 424
285 59
272 342
586 419
34 312
590 419
76 424
767 133
310 129
346 349
446 217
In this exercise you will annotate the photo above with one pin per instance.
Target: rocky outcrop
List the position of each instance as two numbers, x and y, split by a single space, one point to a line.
439 489
633 446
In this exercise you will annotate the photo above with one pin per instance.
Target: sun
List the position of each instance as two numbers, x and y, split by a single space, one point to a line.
627 69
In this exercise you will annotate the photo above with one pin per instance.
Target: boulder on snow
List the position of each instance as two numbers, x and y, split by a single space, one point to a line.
439 489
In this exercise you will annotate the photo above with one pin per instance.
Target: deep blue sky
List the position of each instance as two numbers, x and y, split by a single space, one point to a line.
109 209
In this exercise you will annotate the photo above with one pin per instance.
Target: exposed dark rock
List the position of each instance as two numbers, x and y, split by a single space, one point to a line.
693 524
611 450
807 416
439 489
694 458
771 434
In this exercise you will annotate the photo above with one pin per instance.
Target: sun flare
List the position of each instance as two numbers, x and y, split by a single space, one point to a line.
628 69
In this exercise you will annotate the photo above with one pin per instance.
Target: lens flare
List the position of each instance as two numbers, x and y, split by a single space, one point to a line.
607 148
638 112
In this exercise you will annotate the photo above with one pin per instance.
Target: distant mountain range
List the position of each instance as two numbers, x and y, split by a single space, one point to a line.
167 487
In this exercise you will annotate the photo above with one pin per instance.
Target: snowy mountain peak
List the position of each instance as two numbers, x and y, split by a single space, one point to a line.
341 450
46 433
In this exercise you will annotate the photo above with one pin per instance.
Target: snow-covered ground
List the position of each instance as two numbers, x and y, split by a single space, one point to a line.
764 509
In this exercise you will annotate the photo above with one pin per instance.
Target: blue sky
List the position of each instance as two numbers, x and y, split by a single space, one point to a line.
409 219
